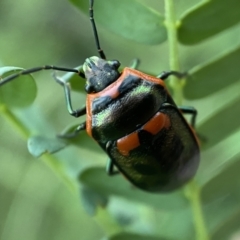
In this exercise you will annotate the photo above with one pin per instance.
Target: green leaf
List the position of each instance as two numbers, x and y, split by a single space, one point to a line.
39 145
132 236
213 76
221 200
175 224
19 92
226 183
97 179
216 159
221 124
218 212
129 19
229 229
207 19
91 200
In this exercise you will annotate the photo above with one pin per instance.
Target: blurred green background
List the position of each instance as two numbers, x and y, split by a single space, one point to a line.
34 203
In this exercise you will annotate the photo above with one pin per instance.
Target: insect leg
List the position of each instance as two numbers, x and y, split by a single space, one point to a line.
135 63
189 110
80 128
110 168
165 75
110 164
76 113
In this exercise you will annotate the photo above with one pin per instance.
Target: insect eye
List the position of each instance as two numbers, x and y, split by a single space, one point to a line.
90 89
115 64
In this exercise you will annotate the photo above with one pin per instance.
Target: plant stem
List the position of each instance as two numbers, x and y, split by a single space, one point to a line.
193 193
192 190
107 222
170 23
16 123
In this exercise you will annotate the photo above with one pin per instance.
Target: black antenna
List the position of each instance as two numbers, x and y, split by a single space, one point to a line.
37 69
100 51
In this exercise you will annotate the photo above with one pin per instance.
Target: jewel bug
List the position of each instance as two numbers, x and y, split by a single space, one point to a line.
132 116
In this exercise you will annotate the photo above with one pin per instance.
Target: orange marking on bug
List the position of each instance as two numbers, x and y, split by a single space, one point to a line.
153 126
126 144
157 122
88 117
